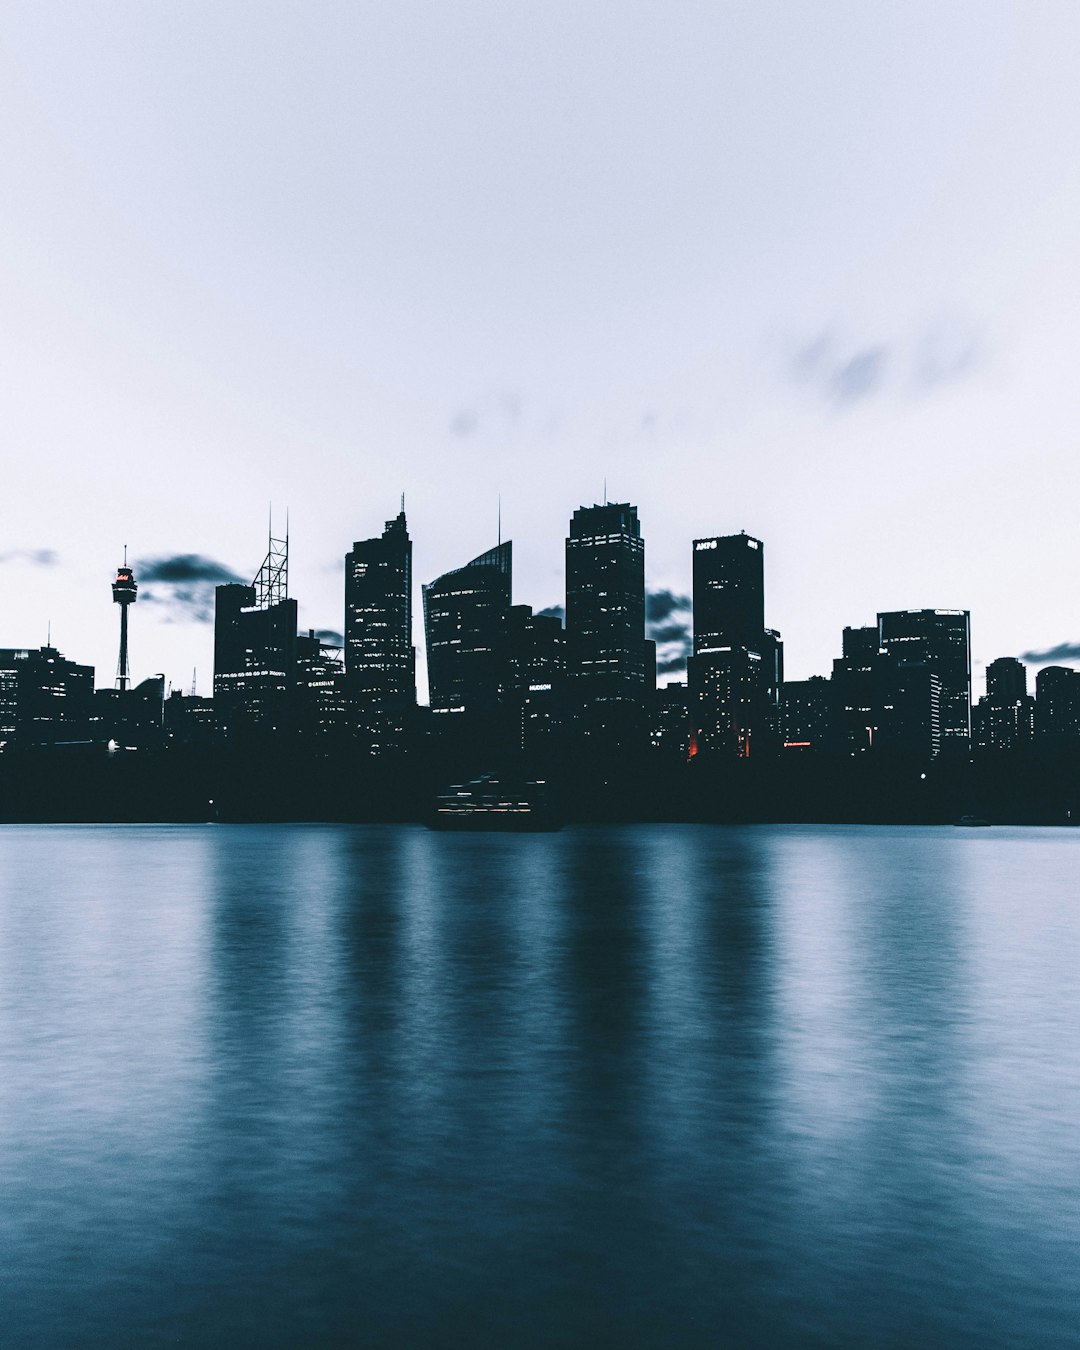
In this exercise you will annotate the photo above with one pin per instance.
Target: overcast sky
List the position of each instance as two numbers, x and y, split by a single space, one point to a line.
811 270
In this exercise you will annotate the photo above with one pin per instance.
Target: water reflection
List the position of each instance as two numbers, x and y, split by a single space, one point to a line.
624 1086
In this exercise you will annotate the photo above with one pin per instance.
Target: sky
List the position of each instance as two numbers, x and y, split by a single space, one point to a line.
808 270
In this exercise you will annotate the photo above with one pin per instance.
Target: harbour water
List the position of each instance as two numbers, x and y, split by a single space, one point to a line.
642 1086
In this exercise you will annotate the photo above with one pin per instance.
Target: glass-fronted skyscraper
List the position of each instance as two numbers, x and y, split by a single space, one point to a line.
380 659
466 625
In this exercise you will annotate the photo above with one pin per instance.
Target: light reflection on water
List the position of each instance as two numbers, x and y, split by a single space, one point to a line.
634 1086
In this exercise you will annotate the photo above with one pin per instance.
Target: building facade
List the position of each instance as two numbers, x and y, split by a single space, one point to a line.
380 659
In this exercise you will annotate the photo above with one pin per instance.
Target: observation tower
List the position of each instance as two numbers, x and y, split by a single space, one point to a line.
124 593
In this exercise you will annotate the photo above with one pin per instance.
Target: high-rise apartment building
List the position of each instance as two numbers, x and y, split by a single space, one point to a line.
380 659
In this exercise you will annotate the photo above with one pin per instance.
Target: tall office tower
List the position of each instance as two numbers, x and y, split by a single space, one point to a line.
380 659
940 639
736 672
466 624
729 592
44 698
605 618
1057 702
537 674
255 650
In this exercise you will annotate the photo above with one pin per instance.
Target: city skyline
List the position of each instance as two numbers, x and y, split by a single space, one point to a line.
807 273
188 582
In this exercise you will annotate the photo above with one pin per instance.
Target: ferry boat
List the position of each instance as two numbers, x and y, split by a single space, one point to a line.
493 803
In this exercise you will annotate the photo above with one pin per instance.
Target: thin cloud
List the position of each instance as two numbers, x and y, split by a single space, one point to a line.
36 557
1064 651
845 371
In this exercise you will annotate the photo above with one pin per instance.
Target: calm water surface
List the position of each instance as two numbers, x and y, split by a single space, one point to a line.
646 1086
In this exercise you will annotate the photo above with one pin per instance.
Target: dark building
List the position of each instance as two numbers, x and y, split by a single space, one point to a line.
672 732
857 680
1057 703
255 651
130 719
1004 719
319 714
537 675
380 659
45 700
809 711
735 674
606 652
729 592
189 719
941 640
883 702
467 627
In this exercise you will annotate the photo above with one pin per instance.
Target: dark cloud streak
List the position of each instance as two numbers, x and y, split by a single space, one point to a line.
1064 651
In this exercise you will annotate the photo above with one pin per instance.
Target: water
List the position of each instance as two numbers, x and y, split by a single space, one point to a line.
668 1086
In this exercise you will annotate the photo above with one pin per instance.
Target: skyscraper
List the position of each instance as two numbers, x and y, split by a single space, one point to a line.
537 675
605 612
736 671
729 592
380 659
255 649
941 640
466 624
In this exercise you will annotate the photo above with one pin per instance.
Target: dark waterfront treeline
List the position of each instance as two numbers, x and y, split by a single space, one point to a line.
329 726
1037 785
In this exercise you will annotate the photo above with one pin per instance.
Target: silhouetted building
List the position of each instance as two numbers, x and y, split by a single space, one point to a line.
884 702
466 623
672 730
736 671
45 699
1004 719
941 640
729 592
189 719
1057 703
255 651
124 593
130 719
605 618
320 700
537 675
809 711
380 659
